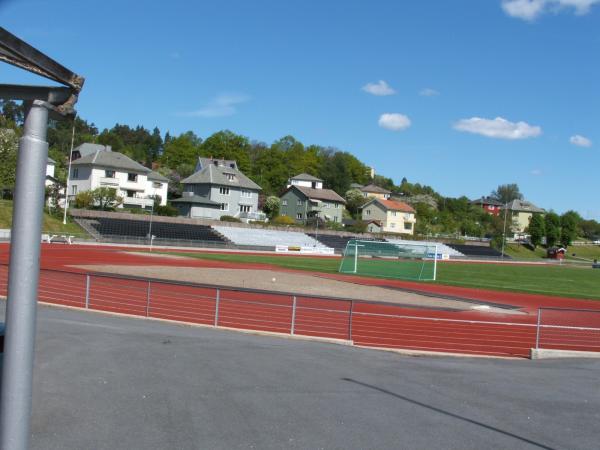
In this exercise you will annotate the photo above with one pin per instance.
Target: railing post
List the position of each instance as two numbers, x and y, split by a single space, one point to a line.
87 291
292 329
217 300
537 331
350 320
148 291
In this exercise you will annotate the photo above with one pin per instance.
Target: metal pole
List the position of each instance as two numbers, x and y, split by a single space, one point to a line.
293 315
350 320
23 279
150 228
217 299
504 230
537 331
148 290
355 256
87 291
435 256
69 175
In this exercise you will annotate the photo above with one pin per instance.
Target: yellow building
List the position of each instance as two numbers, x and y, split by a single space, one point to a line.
375 191
519 214
389 216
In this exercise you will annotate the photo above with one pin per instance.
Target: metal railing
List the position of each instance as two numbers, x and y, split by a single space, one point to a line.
360 322
568 329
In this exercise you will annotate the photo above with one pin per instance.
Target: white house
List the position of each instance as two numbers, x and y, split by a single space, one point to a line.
305 180
104 168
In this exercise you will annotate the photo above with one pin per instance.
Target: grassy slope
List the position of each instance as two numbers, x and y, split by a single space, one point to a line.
548 280
581 251
51 224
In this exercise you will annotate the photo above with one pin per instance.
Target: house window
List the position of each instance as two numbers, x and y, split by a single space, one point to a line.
109 173
130 194
299 216
156 185
299 203
326 205
224 206
74 189
230 177
224 190
337 206
335 218
75 173
246 193
394 213
368 212
283 202
245 208
407 226
132 177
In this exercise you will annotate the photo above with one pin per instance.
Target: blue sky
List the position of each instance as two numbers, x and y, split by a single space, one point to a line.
479 92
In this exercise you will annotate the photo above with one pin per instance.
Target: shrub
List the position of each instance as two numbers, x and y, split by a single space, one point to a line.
283 220
230 219
166 210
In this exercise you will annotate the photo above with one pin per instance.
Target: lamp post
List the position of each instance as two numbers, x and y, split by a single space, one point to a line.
69 175
150 226
504 229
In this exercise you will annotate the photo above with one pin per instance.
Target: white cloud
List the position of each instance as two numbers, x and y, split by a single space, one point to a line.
380 88
221 106
394 121
428 92
580 141
536 172
498 128
531 9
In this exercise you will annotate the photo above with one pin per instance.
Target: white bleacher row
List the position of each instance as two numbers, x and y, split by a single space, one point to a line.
268 238
442 248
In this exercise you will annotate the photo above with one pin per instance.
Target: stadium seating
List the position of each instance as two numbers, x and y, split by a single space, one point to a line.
335 241
108 227
266 238
442 248
478 251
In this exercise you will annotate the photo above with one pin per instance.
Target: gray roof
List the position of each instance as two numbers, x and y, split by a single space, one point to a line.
203 162
305 177
86 149
155 176
114 160
318 194
356 186
216 175
375 189
524 206
487 201
195 199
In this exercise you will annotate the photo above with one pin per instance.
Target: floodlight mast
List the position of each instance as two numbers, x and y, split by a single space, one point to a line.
23 276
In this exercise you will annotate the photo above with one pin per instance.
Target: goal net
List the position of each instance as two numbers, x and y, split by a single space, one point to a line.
407 261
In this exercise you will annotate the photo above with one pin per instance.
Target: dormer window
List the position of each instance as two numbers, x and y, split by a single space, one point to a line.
230 177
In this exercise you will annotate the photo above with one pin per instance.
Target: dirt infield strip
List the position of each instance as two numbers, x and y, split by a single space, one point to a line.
286 282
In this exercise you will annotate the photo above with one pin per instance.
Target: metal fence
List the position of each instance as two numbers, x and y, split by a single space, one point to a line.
568 329
360 322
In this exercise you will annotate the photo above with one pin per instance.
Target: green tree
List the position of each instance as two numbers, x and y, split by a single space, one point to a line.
9 143
552 224
184 149
84 200
354 200
537 229
569 224
228 145
106 198
507 192
272 206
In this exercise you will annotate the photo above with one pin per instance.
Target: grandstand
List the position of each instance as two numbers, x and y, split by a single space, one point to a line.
111 228
266 238
477 251
336 241
442 248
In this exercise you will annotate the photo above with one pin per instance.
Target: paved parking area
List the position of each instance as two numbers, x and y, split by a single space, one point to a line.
104 382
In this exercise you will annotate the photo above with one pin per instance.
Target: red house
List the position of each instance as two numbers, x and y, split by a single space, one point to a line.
489 205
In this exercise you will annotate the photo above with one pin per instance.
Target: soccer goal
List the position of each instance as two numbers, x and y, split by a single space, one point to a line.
407 261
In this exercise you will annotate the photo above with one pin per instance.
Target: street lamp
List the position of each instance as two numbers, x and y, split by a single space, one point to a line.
150 226
504 229
41 103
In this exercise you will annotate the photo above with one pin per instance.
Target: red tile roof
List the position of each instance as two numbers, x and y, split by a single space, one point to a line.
396 206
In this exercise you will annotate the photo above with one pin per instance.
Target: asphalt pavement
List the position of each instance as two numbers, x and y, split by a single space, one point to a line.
104 382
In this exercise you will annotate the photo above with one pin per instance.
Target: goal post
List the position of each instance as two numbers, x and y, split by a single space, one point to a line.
406 261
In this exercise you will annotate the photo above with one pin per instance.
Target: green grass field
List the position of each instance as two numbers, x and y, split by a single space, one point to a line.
562 281
581 251
51 224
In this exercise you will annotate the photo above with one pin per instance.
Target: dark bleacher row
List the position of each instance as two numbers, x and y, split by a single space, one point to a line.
161 230
477 251
337 242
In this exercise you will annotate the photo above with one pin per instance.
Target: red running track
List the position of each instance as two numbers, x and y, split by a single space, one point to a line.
366 324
